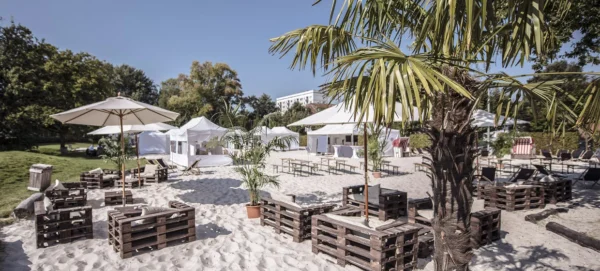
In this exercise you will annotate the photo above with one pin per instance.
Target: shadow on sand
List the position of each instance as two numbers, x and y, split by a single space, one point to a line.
210 230
501 256
12 255
214 191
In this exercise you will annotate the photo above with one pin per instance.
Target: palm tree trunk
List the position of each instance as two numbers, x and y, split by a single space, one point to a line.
453 153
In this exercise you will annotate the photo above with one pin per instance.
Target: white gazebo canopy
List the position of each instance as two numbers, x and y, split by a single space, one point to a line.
282 131
188 143
340 114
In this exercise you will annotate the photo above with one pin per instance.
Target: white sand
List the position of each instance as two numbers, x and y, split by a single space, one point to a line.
227 240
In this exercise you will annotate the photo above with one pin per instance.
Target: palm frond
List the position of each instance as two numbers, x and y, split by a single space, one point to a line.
589 104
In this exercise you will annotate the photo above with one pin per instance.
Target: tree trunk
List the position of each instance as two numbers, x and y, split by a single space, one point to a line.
452 160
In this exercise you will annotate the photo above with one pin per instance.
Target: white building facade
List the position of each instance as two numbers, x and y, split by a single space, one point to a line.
304 98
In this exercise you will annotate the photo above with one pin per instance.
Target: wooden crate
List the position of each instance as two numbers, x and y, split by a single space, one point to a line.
74 196
393 248
485 226
419 204
130 233
290 219
392 203
115 198
557 191
521 197
40 176
62 225
95 180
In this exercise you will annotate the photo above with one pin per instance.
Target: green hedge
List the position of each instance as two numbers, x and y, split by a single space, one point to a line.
542 141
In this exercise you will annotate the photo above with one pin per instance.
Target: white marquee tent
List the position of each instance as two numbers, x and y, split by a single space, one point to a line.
188 143
153 143
325 139
282 131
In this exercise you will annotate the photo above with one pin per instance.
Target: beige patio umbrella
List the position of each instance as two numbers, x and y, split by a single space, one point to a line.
116 111
135 129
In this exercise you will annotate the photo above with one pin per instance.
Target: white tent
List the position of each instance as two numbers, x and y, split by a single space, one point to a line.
153 143
482 118
282 131
188 143
340 114
341 139
265 134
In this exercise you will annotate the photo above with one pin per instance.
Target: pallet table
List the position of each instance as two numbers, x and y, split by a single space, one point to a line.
62 225
514 198
129 232
290 219
556 191
116 197
130 183
390 204
391 248
74 196
485 226
98 180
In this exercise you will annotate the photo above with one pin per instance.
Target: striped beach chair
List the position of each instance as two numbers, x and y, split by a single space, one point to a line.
523 148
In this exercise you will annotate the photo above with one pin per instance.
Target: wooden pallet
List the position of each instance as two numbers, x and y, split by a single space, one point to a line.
413 214
62 225
290 219
74 196
393 248
557 191
523 197
392 203
115 198
160 175
130 233
485 226
130 183
95 180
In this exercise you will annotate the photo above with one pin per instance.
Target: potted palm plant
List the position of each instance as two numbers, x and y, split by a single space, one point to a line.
251 162
374 154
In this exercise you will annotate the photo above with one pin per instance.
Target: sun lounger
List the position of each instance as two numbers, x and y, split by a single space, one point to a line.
487 177
524 174
589 175
192 169
543 170
162 163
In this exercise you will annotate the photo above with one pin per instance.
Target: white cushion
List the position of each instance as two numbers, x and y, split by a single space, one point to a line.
96 171
110 177
58 186
548 179
426 213
150 169
48 205
152 210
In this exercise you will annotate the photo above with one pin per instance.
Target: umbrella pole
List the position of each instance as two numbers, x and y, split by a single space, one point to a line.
365 137
137 150
123 154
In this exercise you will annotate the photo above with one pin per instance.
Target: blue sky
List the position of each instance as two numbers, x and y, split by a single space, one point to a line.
164 37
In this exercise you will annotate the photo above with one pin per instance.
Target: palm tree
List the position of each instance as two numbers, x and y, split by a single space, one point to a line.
453 44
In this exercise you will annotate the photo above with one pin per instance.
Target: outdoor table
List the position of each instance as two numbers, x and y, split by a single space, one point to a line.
338 163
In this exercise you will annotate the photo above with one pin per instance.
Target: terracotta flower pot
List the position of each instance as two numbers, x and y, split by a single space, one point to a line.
376 175
253 211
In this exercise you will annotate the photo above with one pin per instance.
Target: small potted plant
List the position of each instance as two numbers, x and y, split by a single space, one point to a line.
502 146
375 155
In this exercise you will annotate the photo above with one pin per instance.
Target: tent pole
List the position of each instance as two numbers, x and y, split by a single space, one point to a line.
137 150
366 222
123 154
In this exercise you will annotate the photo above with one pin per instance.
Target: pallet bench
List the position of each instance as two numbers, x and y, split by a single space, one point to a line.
99 180
74 196
160 174
522 197
485 226
391 248
390 204
116 197
556 191
130 183
129 232
62 225
290 219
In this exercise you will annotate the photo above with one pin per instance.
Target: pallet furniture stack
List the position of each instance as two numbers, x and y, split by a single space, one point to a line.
389 247
116 198
389 204
130 182
158 175
62 225
289 218
99 180
485 226
514 198
74 196
556 191
130 232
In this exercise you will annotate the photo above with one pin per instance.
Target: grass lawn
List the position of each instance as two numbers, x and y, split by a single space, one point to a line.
14 171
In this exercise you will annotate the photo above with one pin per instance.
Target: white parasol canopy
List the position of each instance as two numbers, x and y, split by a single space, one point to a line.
116 111
482 118
341 114
115 129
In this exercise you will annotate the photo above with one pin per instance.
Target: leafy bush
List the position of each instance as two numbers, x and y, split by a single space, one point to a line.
419 141
303 140
502 145
545 141
111 151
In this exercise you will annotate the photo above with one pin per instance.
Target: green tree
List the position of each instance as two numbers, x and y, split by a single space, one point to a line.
134 83
168 88
261 106
203 91
361 50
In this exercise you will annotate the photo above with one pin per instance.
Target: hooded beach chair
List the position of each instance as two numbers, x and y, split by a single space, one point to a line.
523 174
522 148
589 175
